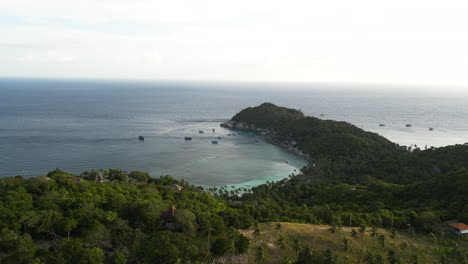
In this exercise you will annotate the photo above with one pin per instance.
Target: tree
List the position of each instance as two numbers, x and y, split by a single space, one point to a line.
281 242
92 256
97 235
257 232
187 220
393 257
330 258
221 246
259 254
394 234
241 244
296 245
346 245
119 258
426 221
362 230
15 248
382 240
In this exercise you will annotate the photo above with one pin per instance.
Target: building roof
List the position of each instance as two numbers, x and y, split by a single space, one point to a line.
177 187
459 226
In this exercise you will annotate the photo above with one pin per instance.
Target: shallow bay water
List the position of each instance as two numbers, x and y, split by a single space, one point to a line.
85 125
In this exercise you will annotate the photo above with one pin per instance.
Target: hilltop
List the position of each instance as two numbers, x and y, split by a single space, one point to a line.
282 242
360 199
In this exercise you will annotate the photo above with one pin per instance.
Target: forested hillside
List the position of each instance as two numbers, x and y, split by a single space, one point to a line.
382 203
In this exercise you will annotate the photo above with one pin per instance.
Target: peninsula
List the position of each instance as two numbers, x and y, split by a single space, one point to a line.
361 199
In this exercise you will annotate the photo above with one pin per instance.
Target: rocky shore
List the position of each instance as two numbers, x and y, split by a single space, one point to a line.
270 136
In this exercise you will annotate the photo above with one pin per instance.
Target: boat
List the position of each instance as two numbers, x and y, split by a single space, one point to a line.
187 138
201 131
219 137
213 130
322 115
141 138
431 129
381 125
214 142
409 125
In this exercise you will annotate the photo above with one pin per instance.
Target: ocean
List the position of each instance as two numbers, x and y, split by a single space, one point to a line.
81 125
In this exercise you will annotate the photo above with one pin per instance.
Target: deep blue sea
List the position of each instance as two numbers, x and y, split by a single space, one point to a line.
79 125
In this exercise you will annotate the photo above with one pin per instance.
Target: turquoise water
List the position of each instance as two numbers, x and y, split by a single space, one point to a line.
45 125
85 125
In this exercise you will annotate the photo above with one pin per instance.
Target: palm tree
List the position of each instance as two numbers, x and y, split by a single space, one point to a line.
330 258
296 245
394 234
362 230
281 242
257 231
345 245
382 240
393 257
259 254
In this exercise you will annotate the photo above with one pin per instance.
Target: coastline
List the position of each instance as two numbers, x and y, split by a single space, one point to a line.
270 136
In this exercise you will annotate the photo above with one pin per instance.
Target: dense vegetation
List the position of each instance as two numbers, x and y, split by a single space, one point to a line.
356 181
63 218
360 178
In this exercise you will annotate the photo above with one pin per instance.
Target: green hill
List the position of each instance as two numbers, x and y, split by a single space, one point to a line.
369 200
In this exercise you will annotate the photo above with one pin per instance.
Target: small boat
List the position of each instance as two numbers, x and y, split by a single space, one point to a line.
322 115
213 130
381 125
141 138
187 138
214 142
287 162
201 131
219 137
409 125
431 129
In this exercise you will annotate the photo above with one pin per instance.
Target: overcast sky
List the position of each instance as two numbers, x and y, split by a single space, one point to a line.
352 41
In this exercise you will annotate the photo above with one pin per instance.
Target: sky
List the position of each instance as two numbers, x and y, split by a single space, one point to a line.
409 42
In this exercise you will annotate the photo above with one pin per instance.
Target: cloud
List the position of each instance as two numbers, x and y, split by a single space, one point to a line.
48 56
420 41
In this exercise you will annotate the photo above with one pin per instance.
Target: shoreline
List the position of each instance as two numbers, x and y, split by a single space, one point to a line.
270 136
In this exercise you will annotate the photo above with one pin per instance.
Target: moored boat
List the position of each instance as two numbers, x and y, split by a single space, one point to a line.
187 138
141 138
